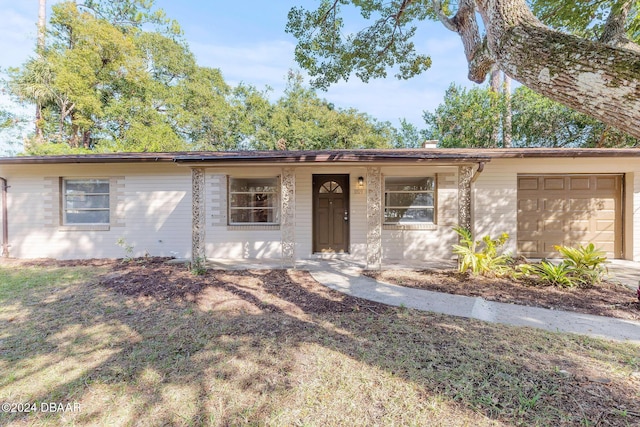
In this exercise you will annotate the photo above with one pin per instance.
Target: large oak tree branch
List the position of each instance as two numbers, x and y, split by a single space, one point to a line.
591 77
615 32
465 24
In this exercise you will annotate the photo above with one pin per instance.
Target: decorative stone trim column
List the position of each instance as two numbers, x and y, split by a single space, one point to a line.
288 218
374 218
465 173
198 217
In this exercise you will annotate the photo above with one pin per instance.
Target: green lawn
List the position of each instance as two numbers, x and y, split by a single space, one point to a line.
237 352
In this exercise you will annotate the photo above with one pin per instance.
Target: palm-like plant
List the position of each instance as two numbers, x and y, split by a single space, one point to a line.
480 256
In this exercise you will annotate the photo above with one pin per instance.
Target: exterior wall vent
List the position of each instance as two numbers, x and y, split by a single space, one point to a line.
430 143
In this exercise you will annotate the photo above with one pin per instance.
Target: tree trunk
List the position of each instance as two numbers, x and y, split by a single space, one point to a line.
42 13
42 19
495 89
506 118
590 77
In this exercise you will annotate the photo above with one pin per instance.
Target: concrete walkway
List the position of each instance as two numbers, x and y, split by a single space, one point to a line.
347 278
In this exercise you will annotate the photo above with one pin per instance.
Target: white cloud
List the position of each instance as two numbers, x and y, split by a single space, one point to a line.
17 36
265 63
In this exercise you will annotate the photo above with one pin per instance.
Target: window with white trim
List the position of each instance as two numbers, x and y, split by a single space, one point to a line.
85 201
409 200
254 201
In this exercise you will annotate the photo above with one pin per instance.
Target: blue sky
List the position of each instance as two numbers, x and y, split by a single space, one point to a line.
247 41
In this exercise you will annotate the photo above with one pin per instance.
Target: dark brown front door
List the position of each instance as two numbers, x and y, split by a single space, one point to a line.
330 213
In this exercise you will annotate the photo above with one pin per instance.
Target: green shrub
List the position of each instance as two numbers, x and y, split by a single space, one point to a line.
583 266
587 262
551 274
481 256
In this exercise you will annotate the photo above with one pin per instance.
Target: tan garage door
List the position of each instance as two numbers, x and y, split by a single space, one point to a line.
569 210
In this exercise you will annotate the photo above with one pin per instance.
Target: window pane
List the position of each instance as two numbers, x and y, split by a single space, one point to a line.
408 215
331 187
256 200
263 215
240 200
253 200
87 217
409 199
91 201
86 201
252 215
409 183
423 199
240 215
87 186
258 185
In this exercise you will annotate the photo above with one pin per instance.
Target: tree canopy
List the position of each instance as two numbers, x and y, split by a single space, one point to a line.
118 76
470 117
583 55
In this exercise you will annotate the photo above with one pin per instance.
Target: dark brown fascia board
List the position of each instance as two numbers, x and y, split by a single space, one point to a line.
90 158
438 155
350 156
322 156
517 153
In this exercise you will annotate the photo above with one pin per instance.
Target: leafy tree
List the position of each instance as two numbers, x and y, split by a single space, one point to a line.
592 65
301 120
409 136
540 122
103 82
471 118
467 118
117 76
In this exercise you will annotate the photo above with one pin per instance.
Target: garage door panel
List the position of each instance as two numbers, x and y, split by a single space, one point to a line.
528 246
579 225
528 205
555 183
552 225
569 210
550 246
554 204
528 183
584 205
580 183
605 205
604 225
604 245
607 183
528 225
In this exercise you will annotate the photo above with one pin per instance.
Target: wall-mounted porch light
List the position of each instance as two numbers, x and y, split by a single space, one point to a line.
360 182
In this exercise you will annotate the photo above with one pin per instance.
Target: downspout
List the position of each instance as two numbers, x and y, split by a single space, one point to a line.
5 220
478 172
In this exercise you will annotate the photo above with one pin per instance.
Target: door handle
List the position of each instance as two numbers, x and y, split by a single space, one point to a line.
346 215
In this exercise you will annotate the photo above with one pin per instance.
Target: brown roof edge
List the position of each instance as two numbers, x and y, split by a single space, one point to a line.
443 155
323 156
90 158
507 153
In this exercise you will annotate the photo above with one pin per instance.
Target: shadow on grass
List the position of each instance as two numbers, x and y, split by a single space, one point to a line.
153 344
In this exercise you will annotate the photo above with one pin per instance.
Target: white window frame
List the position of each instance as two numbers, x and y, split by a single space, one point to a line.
65 210
275 206
431 207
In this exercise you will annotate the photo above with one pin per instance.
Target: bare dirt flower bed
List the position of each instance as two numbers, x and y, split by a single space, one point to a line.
606 299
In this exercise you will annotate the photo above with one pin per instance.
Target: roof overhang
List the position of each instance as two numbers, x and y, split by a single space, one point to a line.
331 156
90 158
438 156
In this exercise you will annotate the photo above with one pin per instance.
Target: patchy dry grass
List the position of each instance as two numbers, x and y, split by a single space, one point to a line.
153 345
